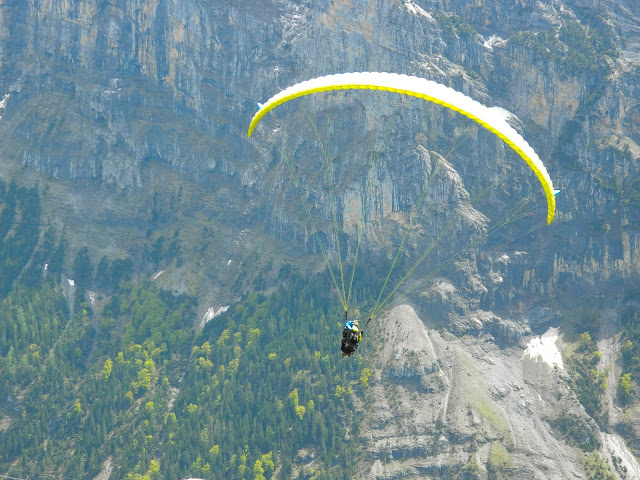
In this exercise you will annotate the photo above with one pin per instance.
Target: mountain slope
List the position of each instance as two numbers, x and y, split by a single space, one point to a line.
139 208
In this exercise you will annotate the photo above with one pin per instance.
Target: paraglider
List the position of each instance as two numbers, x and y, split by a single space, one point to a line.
496 120
351 336
493 119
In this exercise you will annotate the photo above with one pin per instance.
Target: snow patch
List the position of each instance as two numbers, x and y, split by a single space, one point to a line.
504 259
71 282
493 41
545 348
212 313
158 274
228 263
417 10
3 104
496 278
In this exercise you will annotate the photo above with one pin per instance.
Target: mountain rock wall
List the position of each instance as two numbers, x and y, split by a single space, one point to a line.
117 106
100 91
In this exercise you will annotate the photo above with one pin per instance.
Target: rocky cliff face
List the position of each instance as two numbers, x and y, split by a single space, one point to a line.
441 406
101 93
121 107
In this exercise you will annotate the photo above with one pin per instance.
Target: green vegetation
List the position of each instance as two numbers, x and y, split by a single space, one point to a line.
260 393
597 468
577 431
487 410
580 47
499 462
625 386
631 338
587 381
19 233
630 317
256 390
471 470
454 26
262 384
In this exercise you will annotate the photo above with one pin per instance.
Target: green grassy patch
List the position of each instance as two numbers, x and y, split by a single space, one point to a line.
499 462
597 468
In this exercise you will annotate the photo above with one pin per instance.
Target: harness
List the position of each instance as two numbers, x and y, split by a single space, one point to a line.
350 339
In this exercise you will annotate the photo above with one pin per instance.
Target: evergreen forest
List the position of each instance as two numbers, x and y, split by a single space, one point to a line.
105 372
